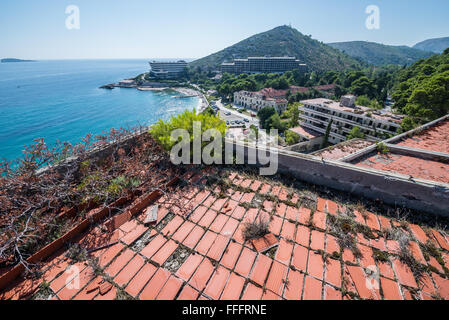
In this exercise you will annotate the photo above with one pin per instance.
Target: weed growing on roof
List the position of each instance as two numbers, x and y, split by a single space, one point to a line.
44 292
64 176
77 253
430 250
345 230
382 148
380 256
123 295
94 264
256 229
407 258
270 197
405 255
248 205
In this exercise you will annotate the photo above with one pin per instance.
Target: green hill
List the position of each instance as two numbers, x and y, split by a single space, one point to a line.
380 54
422 90
437 45
282 41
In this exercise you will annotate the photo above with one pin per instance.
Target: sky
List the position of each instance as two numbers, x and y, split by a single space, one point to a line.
112 29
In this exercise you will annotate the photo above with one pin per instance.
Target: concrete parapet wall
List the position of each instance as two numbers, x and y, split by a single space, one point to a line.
394 189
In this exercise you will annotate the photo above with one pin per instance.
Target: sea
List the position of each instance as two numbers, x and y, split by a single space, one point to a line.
61 100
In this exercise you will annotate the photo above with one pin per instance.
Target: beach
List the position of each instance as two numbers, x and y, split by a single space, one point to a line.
202 101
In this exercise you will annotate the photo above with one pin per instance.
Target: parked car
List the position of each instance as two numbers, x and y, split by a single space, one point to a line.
246 120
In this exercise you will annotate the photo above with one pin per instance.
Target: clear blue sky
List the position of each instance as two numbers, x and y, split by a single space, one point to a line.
195 28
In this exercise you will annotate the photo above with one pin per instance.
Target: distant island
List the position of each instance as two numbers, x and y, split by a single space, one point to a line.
8 60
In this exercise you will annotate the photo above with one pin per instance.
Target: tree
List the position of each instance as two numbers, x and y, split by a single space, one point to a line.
282 83
291 137
275 122
364 86
351 77
363 101
209 111
422 90
408 124
432 97
292 114
264 115
356 132
326 136
161 131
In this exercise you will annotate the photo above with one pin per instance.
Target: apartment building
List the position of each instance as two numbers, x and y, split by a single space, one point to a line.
262 65
345 115
167 70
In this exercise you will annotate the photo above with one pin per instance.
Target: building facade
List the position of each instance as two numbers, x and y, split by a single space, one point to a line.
167 70
262 65
318 113
259 100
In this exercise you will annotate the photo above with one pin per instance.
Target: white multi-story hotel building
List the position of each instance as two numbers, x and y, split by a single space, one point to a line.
262 65
167 70
345 115
260 99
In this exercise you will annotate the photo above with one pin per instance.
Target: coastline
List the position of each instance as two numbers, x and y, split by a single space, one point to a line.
202 101
187 92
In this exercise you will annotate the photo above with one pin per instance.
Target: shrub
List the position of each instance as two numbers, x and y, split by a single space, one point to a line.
356 132
162 130
291 137
31 199
382 148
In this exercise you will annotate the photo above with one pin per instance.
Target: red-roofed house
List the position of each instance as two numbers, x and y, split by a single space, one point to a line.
269 97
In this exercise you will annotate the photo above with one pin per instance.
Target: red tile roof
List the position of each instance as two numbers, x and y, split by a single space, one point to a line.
277 94
306 132
433 138
409 165
183 257
343 149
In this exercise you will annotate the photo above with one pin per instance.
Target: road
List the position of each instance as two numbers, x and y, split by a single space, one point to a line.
235 115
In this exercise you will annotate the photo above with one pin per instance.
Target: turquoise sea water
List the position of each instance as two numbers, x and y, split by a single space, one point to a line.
61 100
